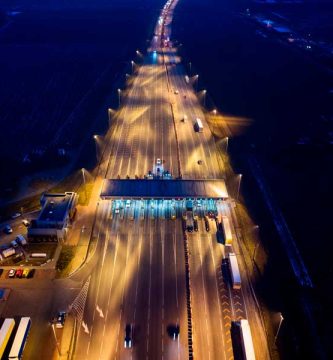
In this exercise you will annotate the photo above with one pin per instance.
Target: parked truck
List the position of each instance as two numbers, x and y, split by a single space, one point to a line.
8 252
226 230
234 271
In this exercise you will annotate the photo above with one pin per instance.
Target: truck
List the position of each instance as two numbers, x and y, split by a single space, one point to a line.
198 125
20 339
226 230
246 339
8 252
189 223
5 332
234 271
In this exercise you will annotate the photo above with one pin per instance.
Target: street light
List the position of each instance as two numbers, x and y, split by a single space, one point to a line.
204 99
278 330
119 94
256 228
132 62
84 182
239 182
96 146
190 67
226 144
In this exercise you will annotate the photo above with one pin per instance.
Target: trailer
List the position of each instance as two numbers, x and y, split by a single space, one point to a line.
226 230
234 271
246 339
8 252
5 332
20 339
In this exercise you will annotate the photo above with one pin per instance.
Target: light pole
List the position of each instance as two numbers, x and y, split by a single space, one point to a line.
239 183
132 63
278 330
190 67
84 182
119 99
96 146
226 144
256 228
204 99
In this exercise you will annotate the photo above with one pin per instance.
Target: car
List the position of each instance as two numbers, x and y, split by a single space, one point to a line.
18 273
176 92
158 161
60 321
195 225
1 271
25 273
8 229
128 336
11 273
128 203
175 332
31 273
184 118
26 222
200 162
207 227
16 215
116 210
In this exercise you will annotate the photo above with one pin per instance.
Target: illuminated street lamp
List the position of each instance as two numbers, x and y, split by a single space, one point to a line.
204 98
84 181
214 111
256 228
226 144
119 95
278 330
239 183
96 145
132 63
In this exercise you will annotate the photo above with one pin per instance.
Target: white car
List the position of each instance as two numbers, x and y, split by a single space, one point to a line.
176 92
158 161
128 203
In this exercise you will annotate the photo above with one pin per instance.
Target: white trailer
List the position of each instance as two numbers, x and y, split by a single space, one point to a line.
226 230
8 252
198 125
234 271
22 332
246 338
5 332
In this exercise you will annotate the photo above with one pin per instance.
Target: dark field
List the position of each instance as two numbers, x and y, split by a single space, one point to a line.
282 98
60 62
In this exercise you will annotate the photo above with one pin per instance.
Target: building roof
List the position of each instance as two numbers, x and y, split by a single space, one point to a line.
55 207
164 189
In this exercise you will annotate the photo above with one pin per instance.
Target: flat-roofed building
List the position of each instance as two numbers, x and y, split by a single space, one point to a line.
58 211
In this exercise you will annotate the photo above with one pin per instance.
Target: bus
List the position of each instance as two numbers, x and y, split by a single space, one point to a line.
5 332
226 230
20 339
246 339
234 271
198 125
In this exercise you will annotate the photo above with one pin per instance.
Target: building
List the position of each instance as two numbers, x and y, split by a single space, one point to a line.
58 211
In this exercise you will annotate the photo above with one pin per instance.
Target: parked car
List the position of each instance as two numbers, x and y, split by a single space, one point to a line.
11 273
20 239
14 244
8 229
19 273
1 271
25 273
31 273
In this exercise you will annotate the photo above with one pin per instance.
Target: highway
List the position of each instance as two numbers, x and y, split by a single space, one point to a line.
140 277
136 274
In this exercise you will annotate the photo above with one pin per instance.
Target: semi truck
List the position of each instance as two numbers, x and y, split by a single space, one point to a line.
5 332
234 271
20 339
246 339
226 230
